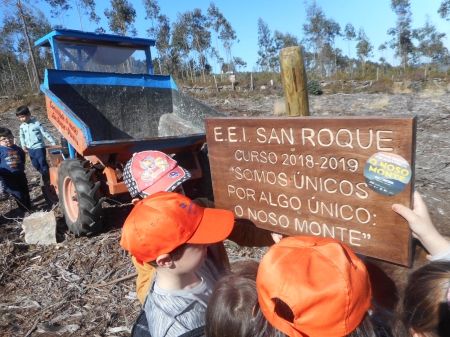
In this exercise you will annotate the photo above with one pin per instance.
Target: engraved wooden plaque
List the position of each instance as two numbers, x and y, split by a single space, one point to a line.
330 177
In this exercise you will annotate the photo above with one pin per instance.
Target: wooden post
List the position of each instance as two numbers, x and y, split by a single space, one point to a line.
251 81
426 72
377 73
293 76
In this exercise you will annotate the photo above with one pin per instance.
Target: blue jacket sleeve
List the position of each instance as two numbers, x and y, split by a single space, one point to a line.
22 137
46 134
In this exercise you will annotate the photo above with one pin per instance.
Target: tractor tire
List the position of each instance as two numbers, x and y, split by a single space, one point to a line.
78 198
48 190
49 193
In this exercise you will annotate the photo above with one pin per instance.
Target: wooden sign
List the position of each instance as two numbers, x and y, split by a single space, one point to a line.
330 177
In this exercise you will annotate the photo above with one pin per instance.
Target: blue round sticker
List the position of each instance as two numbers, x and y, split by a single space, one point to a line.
387 173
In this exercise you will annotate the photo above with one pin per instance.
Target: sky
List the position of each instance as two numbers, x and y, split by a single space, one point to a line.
287 16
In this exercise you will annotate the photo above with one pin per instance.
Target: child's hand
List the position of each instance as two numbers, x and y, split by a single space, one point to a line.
418 218
277 237
25 149
420 223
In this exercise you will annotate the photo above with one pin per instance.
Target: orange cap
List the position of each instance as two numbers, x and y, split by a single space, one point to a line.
165 220
321 280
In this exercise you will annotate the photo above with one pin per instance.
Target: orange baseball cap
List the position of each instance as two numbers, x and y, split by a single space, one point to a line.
321 280
148 172
165 220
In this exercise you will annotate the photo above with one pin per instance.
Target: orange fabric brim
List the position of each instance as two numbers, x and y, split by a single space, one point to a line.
215 226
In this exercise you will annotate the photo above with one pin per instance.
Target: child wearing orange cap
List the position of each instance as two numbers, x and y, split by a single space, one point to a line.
149 172
171 232
313 286
305 287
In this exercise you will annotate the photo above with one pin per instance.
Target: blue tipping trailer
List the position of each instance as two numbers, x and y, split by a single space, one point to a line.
107 103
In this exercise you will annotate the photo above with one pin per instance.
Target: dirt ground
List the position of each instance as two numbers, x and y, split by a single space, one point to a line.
85 286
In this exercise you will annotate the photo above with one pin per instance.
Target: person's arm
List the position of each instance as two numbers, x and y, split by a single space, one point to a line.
22 155
46 134
422 227
277 237
246 234
22 139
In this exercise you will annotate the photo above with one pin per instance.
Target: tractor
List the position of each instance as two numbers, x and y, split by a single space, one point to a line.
106 102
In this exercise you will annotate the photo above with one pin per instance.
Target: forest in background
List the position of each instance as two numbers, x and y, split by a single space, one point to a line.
187 47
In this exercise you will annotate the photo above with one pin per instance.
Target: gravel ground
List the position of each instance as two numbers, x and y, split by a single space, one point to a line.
85 286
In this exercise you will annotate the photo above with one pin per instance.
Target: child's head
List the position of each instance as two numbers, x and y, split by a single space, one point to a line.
149 172
425 310
229 312
246 268
313 286
231 308
6 137
23 113
5 132
164 221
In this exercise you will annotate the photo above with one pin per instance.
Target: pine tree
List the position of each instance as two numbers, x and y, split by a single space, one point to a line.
22 22
349 35
402 42
444 10
265 44
431 45
121 17
364 48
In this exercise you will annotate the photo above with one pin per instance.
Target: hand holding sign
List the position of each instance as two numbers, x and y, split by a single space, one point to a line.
420 223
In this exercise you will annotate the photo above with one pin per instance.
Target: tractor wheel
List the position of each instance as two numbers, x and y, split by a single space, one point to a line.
79 202
48 190
49 193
